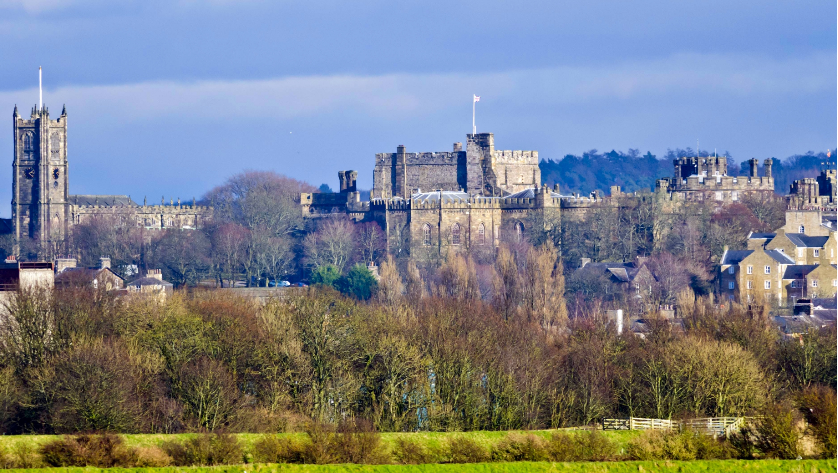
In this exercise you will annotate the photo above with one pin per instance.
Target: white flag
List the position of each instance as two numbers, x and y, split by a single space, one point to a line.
476 98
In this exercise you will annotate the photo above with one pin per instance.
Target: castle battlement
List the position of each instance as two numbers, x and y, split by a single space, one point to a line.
515 157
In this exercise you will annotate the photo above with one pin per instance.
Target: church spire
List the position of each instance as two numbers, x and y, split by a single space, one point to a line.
64 111
16 114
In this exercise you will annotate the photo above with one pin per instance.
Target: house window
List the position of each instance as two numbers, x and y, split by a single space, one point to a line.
426 235
750 284
814 283
768 284
731 285
794 284
750 270
481 234
455 234
817 253
767 269
835 283
519 232
802 229
734 195
731 270
720 195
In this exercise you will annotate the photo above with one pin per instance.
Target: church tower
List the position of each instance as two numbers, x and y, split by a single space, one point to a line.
40 206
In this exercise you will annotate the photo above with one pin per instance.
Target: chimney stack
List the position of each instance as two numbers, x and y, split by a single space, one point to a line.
104 263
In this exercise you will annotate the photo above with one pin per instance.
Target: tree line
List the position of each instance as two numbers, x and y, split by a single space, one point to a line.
427 353
633 171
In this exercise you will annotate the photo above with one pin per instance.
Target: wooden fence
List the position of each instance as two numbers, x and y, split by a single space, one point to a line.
708 425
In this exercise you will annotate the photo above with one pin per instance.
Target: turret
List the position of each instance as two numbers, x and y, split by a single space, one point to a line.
754 163
768 163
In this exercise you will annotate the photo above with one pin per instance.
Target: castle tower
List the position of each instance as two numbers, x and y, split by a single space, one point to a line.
39 177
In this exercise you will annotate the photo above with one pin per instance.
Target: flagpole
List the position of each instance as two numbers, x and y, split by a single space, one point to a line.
40 90
473 105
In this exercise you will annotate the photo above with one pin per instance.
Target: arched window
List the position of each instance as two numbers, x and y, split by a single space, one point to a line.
426 235
481 234
519 232
54 146
27 142
802 229
455 234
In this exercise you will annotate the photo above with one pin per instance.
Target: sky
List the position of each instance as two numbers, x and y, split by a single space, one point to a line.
170 98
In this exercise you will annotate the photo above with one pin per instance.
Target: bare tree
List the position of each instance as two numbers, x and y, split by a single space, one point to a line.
333 243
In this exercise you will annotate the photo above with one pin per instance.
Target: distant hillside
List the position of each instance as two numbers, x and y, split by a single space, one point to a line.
634 171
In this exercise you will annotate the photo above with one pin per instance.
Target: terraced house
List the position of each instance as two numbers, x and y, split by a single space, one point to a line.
783 266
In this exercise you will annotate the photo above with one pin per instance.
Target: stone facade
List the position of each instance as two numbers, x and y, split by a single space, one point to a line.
815 193
42 207
479 170
706 179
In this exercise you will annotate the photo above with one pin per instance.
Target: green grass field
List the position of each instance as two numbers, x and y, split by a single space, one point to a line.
698 466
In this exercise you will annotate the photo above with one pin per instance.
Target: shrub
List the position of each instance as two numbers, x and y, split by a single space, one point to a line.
206 449
775 434
103 451
465 450
518 447
152 457
357 441
24 455
582 446
686 445
359 282
817 403
273 449
326 275
410 452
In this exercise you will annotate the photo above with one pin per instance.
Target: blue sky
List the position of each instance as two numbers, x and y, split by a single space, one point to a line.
172 97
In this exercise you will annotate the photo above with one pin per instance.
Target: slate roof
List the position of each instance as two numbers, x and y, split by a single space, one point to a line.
779 256
761 236
102 200
735 256
798 271
147 281
5 226
623 272
805 241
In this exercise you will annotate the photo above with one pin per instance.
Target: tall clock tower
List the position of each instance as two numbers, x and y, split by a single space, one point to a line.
40 207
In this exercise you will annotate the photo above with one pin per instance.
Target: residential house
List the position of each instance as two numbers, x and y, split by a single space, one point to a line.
101 277
749 275
152 284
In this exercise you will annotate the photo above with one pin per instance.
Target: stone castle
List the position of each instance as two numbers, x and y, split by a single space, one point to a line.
42 207
705 178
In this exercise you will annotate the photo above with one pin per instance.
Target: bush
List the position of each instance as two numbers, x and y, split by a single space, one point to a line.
581 446
22 455
357 441
517 447
326 275
359 282
354 441
206 449
686 445
817 403
152 457
775 434
103 451
273 449
465 450
410 452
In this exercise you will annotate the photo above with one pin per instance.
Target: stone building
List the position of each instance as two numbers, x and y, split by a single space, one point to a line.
479 170
783 265
706 179
427 203
815 192
42 206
